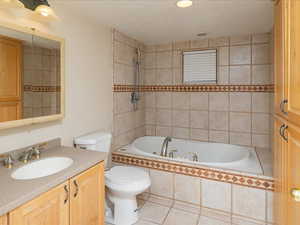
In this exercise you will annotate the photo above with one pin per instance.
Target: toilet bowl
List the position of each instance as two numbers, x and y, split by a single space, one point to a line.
123 183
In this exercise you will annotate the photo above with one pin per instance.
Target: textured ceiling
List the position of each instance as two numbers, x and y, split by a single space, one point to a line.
160 21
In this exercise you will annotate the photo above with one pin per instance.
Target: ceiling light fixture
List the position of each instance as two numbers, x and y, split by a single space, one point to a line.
41 9
184 3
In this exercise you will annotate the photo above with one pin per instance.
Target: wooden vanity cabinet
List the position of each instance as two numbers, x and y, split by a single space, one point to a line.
86 208
51 207
3 220
78 201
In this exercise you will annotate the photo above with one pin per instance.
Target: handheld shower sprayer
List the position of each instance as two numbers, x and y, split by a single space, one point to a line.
135 97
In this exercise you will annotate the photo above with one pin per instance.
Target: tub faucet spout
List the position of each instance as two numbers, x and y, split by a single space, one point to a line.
164 148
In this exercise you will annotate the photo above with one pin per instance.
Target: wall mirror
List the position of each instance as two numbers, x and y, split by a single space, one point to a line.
31 77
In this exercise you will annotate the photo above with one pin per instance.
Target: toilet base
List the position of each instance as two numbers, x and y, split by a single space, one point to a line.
125 211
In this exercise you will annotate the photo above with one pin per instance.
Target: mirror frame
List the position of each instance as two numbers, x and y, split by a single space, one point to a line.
42 119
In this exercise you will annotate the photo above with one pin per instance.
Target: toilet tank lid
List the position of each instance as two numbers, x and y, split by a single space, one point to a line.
92 138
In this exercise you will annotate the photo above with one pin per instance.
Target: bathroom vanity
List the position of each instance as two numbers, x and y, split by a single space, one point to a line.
74 196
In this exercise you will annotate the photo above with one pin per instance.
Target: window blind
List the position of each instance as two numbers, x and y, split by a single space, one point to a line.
200 66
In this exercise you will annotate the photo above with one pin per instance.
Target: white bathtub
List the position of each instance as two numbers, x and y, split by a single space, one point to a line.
219 155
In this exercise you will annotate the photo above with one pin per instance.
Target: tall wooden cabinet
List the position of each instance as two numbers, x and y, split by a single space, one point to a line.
10 79
287 110
78 201
3 220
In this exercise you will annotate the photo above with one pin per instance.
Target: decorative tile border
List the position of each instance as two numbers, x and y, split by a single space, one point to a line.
217 175
42 88
195 88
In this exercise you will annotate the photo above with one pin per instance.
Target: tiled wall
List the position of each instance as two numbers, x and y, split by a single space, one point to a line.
237 204
41 81
241 118
128 123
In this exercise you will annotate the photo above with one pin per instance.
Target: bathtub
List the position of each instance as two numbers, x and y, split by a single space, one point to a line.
227 156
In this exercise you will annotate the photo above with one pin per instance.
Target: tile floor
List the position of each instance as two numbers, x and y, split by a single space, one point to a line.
161 211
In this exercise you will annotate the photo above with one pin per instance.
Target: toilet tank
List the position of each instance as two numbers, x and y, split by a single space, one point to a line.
96 141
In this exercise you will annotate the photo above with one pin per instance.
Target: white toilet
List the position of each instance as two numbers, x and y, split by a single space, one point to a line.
124 183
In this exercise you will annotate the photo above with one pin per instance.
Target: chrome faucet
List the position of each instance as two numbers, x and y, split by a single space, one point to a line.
7 160
164 148
32 153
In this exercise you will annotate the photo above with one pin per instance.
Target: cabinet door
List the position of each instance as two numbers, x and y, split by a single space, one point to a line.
51 207
293 179
280 157
293 9
279 56
10 69
87 197
3 220
10 111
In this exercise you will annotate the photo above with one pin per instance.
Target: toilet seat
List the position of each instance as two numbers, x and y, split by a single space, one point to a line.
126 178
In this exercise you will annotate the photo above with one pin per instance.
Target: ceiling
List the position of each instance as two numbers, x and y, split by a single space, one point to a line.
160 21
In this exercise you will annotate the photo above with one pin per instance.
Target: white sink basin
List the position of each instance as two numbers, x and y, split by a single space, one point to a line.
42 168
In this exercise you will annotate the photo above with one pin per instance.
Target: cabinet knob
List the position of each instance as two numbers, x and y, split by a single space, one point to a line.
282 104
295 193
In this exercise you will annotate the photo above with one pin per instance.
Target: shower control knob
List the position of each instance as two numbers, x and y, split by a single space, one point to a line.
295 193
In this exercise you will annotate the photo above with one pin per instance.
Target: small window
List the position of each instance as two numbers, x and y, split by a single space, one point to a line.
200 66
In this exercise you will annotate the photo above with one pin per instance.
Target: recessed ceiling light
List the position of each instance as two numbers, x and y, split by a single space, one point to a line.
184 3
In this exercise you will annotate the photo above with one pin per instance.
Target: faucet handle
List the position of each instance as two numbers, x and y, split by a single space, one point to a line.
36 153
171 152
8 160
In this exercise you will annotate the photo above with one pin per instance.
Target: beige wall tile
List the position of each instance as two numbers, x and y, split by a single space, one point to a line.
260 102
219 42
219 136
181 100
261 140
218 101
164 59
181 118
240 102
177 59
164 76
164 100
179 132
223 56
240 122
187 189
217 215
180 45
223 75
240 40
186 207
261 38
150 62
249 202
203 43
199 119
240 74
216 195
150 77
240 55
260 54
199 101
162 183
164 47
218 121
177 76
150 99
160 200
260 123
261 74
178 217
199 134
239 220
163 131
238 138
164 117
150 118
270 204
